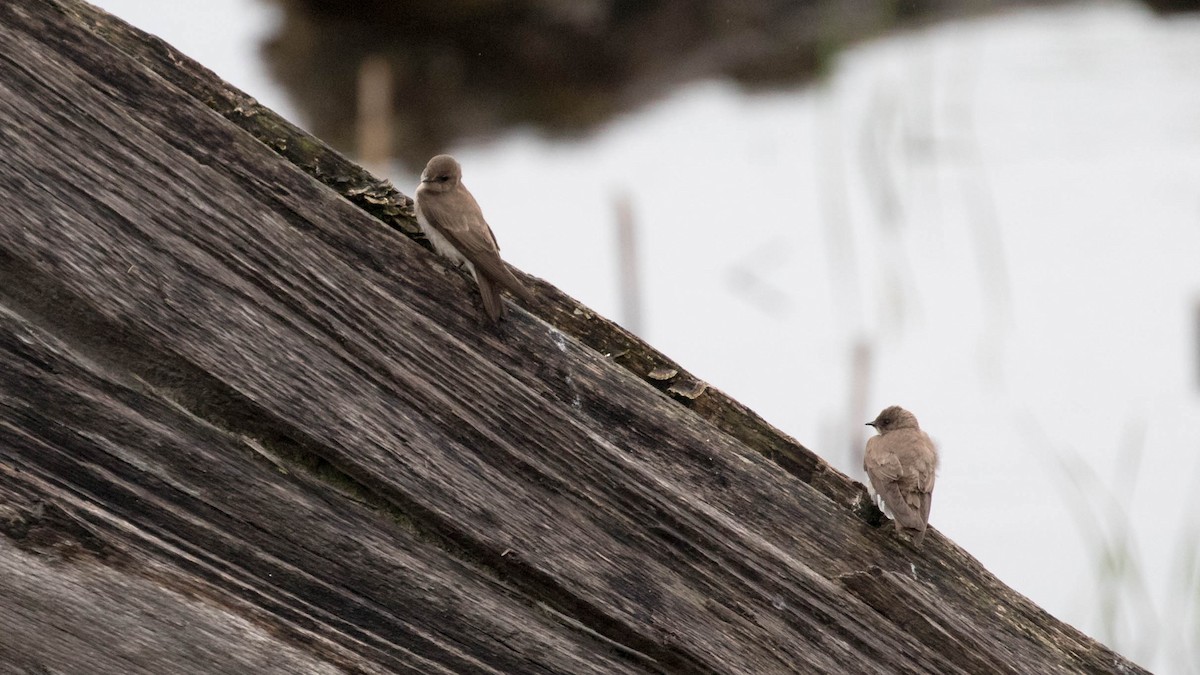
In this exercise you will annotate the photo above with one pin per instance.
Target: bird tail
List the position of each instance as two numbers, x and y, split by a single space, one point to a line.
915 517
515 286
493 306
901 504
919 537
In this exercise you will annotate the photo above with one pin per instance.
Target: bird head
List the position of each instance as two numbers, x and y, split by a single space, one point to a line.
893 417
441 174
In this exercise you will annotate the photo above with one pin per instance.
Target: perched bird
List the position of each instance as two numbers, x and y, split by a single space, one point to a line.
901 463
454 224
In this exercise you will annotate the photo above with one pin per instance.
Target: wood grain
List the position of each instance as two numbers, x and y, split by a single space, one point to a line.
246 426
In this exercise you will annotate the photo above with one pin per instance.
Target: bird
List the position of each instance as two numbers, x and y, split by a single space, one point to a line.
901 463
452 220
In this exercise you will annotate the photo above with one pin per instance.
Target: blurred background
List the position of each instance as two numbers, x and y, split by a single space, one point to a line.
985 211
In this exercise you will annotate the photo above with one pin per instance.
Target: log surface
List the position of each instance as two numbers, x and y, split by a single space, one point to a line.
246 426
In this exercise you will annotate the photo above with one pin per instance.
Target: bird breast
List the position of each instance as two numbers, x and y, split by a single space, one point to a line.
441 244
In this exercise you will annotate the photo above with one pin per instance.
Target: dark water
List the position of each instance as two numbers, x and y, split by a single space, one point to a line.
463 71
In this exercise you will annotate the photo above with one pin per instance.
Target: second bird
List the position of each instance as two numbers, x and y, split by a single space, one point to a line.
901 463
454 224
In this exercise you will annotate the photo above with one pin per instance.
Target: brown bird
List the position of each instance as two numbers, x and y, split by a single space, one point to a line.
454 224
901 463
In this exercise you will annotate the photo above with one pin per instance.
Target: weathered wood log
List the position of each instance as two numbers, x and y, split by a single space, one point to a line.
245 427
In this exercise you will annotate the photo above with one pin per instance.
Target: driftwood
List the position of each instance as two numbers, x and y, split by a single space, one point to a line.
247 427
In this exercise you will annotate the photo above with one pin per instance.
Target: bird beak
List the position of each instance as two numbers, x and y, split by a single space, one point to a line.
870 424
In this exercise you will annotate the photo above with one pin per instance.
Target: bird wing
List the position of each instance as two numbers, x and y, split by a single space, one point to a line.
457 216
888 476
925 465
926 502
